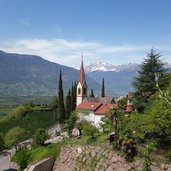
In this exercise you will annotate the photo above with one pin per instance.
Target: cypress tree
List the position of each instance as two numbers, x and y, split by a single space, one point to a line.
68 104
103 89
73 96
144 83
61 108
92 93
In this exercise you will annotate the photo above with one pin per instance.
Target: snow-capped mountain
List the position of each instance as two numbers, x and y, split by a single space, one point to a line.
118 78
102 66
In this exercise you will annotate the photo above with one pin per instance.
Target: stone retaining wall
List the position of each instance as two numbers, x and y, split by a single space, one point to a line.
98 158
43 165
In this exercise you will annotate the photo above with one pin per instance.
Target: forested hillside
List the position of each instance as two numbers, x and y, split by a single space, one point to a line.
30 75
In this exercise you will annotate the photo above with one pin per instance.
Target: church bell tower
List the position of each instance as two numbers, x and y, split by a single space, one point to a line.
81 86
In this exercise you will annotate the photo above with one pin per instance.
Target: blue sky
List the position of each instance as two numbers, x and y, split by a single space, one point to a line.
113 31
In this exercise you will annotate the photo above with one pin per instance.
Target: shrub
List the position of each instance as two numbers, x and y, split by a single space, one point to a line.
21 111
41 136
26 157
168 155
71 121
128 147
90 130
13 135
148 156
22 158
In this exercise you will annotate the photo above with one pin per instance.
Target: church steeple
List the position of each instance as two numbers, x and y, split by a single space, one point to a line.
82 74
82 85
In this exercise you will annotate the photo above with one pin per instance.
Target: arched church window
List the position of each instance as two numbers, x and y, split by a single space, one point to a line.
79 91
85 91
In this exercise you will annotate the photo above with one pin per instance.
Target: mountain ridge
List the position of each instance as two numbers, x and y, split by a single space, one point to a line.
118 78
31 75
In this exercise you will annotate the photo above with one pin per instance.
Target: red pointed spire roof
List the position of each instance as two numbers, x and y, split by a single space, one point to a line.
82 74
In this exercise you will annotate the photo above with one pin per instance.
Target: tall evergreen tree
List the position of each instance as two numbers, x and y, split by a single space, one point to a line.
103 89
73 96
68 104
61 108
92 93
75 93
144 83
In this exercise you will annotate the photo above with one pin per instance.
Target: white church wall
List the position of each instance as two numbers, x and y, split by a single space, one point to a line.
88 117
91 117
79 100
97 119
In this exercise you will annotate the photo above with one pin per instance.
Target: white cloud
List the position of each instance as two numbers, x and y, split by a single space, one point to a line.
69 52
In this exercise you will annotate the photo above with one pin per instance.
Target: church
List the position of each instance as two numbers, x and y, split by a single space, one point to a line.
91 108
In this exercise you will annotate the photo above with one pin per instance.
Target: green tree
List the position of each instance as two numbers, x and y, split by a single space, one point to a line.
68 104
103 89
71 121
122 102
106 125
73 96
61 108
21 111
158 122
144 83
90 130
41 136
154 124
162 93
1 143
13 135
92 93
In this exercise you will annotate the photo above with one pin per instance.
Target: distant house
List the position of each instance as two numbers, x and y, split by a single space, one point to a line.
91 108
93 111
129 106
